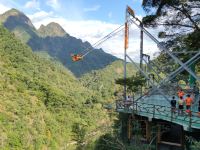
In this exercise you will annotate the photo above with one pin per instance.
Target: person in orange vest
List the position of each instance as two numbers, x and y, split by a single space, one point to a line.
188 102
181 93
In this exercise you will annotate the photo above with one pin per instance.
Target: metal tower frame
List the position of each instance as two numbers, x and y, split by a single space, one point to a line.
132 19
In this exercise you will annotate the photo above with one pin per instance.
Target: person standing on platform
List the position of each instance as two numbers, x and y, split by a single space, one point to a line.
173 105
188 102
181 93
180 106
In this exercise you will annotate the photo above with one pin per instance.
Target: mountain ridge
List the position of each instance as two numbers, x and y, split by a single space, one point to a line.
55 28
20 16
60 46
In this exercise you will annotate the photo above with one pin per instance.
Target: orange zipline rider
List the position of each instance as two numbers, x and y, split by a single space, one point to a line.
76 57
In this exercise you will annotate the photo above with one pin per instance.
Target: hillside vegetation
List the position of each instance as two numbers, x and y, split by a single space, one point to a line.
42 105
103 81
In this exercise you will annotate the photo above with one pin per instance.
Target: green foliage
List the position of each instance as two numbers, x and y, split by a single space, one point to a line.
103 81
41 101
196 146
108 141
80 133
133 83
149 18
192 41
184 19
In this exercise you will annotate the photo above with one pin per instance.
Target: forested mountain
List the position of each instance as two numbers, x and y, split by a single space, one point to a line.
42 105
103 81
54 40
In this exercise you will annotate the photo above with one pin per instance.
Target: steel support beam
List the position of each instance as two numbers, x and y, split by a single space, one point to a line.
141 46
150 66
178 71
147 77
164 48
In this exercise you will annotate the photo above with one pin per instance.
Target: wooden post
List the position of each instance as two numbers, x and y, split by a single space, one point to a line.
190 123
171 115
158 136
148 130
124 122
154 111
136 106
129 130
182 136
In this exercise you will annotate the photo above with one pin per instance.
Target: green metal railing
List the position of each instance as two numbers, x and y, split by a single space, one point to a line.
189 120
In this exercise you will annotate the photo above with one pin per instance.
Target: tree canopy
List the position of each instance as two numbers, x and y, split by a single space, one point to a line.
181 32
133 83
179 17
173 14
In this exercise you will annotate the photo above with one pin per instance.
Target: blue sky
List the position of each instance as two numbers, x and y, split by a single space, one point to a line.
89 20
104 10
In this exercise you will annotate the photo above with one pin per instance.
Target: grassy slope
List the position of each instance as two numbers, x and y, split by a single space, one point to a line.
40 101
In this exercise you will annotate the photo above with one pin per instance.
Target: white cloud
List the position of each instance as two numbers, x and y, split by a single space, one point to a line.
53 4
3 8
33 4
93 8
40 15
94 30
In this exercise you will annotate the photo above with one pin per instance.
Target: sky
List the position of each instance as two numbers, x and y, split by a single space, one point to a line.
88 20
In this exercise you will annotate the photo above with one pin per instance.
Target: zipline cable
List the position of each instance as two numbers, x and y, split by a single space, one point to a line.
110 35
113 33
